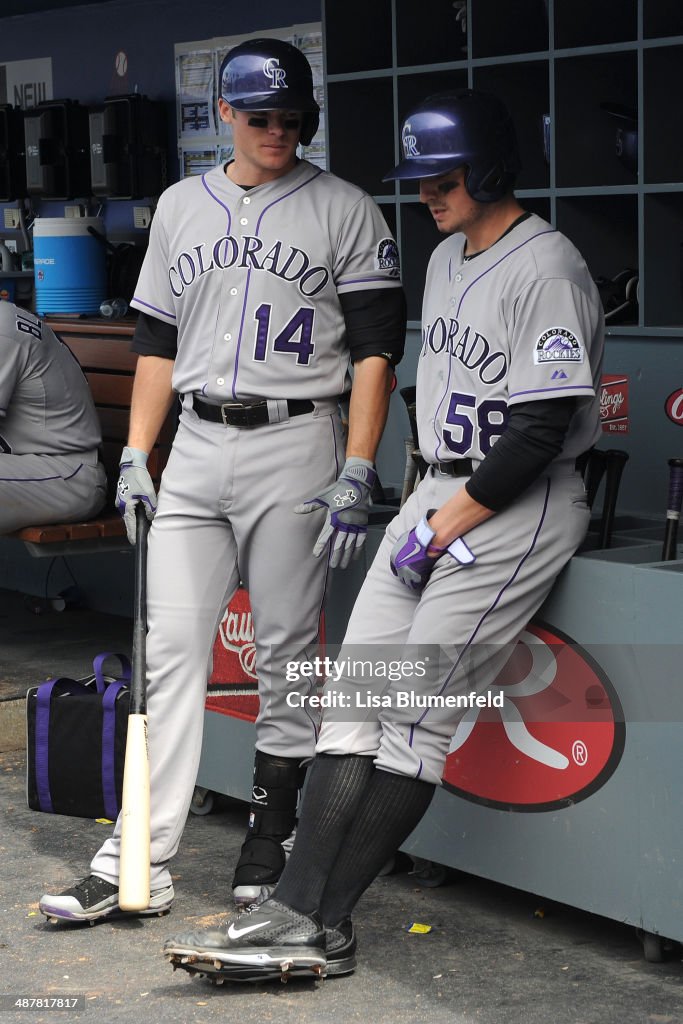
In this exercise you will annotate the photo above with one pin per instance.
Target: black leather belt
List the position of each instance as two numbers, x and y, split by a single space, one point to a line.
233 414
458 467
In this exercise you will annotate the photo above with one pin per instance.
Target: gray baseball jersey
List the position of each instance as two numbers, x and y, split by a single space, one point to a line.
522 321
45 404
49 431
257 315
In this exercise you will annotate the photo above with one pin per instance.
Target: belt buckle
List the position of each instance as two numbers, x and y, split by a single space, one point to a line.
247 415
223 408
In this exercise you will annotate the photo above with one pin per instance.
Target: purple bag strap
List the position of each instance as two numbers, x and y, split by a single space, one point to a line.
42 745
98 664
111 806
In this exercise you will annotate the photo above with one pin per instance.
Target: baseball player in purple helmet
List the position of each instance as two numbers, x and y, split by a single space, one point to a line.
265 281
49 431
512 341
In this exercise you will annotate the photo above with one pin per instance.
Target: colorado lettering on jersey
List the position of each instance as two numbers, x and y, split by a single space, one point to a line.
284 261
467 345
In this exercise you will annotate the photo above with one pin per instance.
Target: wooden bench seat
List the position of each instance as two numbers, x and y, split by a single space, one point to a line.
103 350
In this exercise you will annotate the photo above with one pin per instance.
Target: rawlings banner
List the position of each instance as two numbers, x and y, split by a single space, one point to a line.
233 684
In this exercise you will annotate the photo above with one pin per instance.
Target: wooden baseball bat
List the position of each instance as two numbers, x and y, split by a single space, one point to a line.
615 460
673 510
135 836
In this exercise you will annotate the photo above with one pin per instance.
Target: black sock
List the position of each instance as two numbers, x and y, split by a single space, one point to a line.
335 789
391 808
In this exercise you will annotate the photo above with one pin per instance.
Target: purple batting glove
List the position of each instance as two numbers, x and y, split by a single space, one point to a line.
411 563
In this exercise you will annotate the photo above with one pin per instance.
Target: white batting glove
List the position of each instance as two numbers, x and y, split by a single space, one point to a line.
347 501
134 485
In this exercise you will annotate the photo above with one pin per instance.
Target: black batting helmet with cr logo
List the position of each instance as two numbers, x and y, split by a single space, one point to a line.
270 74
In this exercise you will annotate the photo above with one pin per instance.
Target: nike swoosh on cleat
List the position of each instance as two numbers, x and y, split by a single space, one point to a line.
235 933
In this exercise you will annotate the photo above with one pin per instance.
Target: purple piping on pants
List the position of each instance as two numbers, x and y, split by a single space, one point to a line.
490 609
38 479
314 722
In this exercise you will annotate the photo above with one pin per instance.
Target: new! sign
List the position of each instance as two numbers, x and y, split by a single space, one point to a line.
557 739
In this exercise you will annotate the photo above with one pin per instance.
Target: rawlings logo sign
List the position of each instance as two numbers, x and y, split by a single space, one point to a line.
557 739
234 652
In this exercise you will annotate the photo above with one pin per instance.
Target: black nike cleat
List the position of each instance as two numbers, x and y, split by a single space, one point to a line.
265 942
93 898
340 949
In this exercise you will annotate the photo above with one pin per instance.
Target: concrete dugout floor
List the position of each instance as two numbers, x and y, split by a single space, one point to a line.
488 959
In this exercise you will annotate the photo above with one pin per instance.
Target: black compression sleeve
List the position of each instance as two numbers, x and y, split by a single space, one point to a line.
154 337
533 437
375 323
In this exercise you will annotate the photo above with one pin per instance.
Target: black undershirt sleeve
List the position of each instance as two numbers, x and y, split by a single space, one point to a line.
533 437
375 323
154 337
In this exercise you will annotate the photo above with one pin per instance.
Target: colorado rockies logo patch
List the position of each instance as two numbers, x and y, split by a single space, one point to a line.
558 345
387 255
275 73
409 142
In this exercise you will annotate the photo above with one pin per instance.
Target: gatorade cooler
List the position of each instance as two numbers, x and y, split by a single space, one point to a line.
69 265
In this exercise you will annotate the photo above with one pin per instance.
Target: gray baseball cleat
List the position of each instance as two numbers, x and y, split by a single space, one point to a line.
93 898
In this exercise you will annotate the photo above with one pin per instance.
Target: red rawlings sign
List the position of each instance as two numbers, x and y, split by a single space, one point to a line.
234 651
233 685
674 407
614 404
557 739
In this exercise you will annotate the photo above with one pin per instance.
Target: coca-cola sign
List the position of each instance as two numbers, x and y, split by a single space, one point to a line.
614 404
674 407
557 739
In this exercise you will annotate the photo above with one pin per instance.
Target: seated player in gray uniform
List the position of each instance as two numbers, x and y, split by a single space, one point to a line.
265 280
49 431
512 343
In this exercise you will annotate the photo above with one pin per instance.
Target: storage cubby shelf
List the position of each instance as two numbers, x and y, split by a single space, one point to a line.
610 174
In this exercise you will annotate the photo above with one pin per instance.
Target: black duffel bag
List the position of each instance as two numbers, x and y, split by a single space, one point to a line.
76 742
